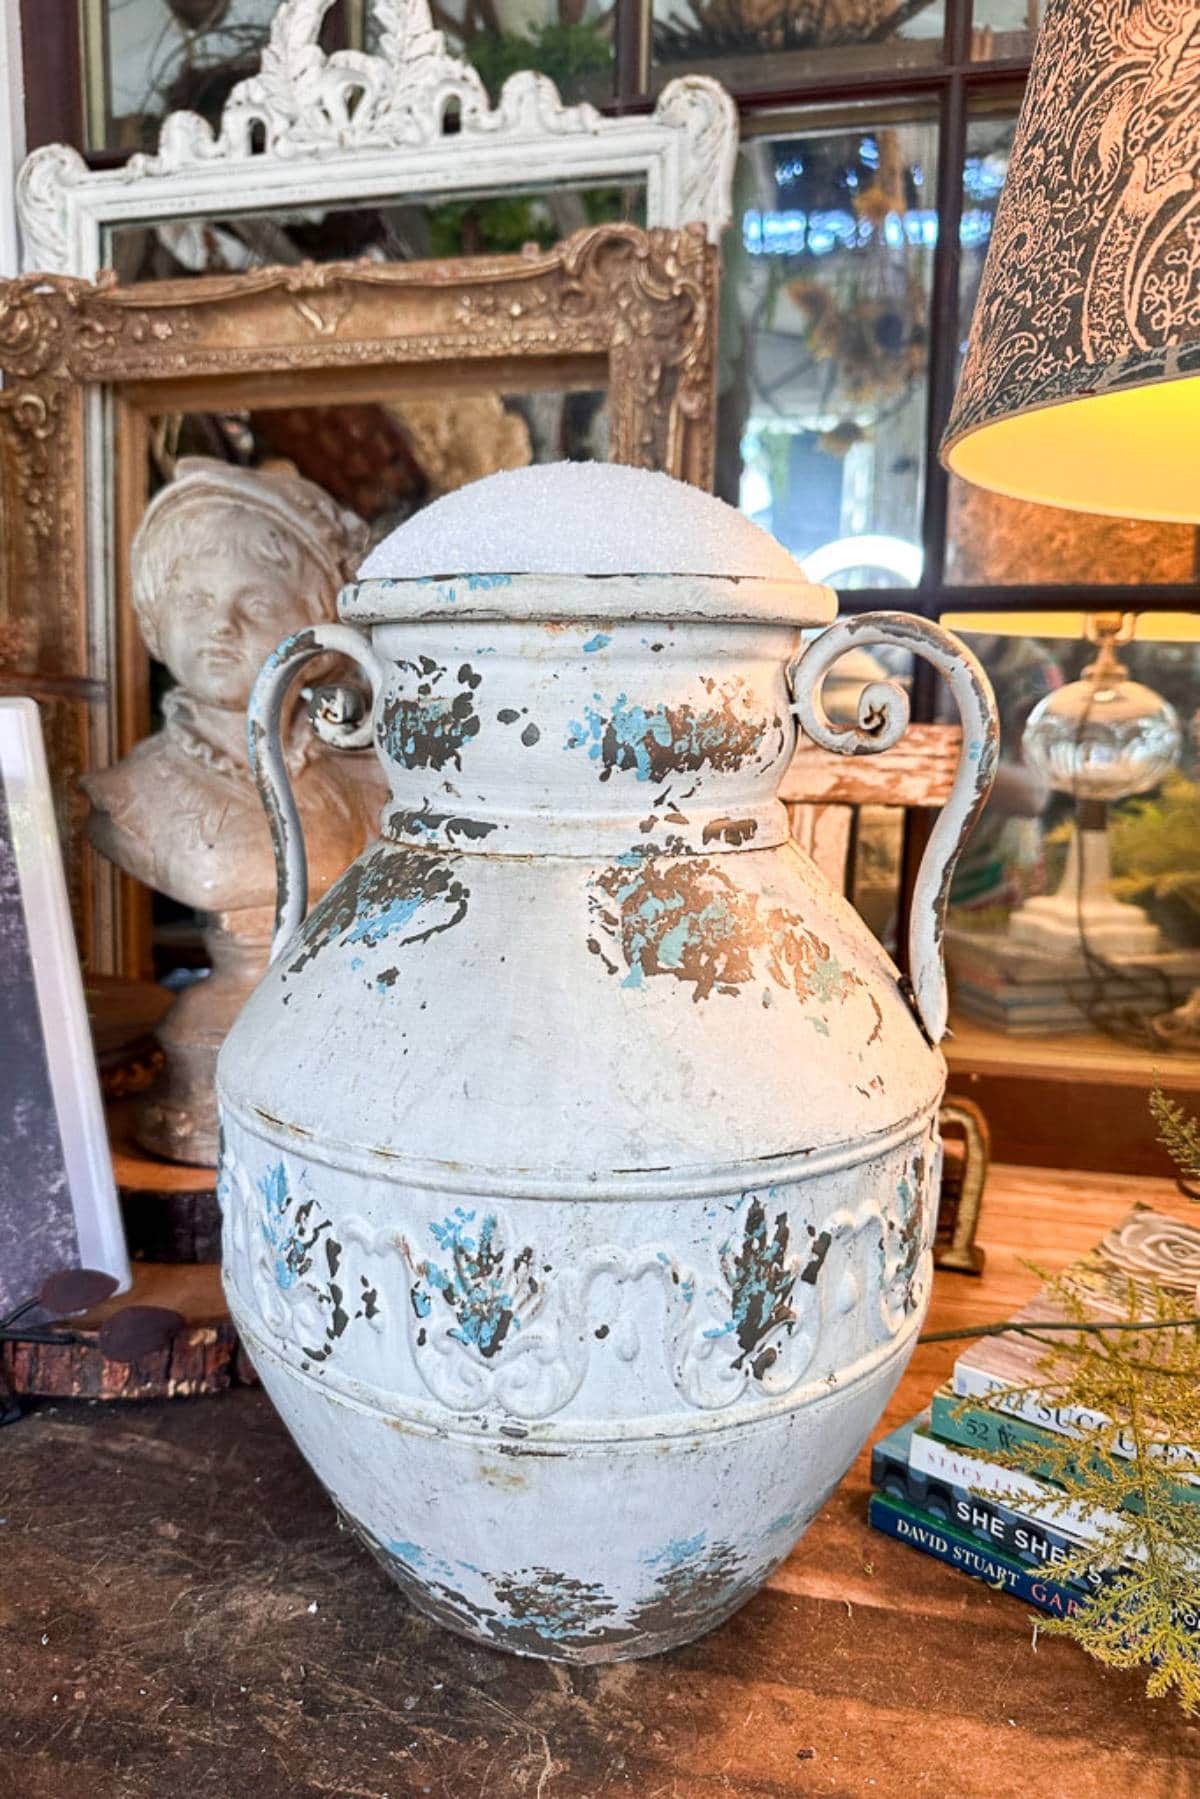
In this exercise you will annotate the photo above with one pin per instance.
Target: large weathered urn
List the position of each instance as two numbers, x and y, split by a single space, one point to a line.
580 1154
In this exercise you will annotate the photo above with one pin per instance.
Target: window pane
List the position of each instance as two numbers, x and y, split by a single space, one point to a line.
145 58
995 541
403 231
569 40
750 44
825 309
1002 29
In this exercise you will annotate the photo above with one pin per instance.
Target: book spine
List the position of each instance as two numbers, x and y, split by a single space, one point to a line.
907 1525
986 1432
1037 1422
1039 1499
977 1383
984 1521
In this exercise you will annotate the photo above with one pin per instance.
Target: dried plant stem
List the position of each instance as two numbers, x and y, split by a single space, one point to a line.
1012 1327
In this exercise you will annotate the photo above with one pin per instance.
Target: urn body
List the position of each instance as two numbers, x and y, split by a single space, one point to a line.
580 1156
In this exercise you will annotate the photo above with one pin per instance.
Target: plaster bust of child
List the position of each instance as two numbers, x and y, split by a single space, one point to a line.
226 562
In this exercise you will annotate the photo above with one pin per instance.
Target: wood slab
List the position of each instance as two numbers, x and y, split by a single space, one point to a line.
204 1357
917 771
169 1208
123 1014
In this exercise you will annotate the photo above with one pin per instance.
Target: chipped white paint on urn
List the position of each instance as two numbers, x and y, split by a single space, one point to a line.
580 1156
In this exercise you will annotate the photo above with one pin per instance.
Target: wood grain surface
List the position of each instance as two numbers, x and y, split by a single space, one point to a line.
917 771
180 1616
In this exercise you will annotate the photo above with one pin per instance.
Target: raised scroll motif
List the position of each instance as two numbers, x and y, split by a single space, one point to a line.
303 1274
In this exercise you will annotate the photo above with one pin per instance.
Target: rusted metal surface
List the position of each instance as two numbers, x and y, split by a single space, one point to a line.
581 1139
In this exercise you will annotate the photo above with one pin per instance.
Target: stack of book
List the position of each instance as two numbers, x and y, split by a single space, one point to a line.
1023 991
939 1486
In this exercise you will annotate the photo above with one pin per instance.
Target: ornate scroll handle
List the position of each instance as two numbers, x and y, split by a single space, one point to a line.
882 721
334 720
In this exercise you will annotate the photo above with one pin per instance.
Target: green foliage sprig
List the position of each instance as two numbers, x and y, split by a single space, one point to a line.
570 54
1130 1471
1179 1134
1122 1475
1155 847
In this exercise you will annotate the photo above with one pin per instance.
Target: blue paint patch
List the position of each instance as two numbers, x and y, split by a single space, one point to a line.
721 1330
662 930
632 729
450 1234
484 1287
598 642
442 590
276 1228
484 583
293 1227
374 925
655 742
675 1553
761 1282
412 1553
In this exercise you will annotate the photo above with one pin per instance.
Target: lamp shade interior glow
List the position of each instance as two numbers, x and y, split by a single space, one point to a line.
1079 382
1130 454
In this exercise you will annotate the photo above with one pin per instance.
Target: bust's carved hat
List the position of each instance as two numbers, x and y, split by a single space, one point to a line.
332 536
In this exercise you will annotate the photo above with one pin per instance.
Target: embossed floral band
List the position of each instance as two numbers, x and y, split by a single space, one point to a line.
1080 385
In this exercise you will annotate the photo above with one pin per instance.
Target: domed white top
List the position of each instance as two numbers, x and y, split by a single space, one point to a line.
580 518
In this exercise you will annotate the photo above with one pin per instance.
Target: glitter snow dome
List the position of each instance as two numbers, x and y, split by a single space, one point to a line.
580 518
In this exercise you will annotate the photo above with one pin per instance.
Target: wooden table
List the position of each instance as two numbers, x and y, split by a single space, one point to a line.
181 1619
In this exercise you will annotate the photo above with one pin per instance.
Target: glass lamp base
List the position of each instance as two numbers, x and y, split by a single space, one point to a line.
1083 913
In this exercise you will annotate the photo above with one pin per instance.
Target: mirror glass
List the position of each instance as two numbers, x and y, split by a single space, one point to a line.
405 231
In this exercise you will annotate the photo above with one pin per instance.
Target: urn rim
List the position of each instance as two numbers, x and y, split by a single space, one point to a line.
568 598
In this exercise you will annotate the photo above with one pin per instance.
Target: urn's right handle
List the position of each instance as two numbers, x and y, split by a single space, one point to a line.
882 720
269 765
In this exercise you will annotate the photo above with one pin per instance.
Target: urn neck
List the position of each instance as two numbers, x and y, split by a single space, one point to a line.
584 736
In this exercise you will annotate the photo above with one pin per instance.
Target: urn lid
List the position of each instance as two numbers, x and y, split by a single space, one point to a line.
493 543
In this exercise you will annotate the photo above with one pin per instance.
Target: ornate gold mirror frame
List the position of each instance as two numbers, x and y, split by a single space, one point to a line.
613 307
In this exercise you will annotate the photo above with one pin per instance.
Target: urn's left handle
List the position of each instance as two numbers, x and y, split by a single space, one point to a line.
332 722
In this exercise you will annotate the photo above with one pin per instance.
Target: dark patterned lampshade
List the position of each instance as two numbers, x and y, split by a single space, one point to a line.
1081 384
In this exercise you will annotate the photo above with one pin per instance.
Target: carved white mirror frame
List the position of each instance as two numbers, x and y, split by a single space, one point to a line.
350 128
